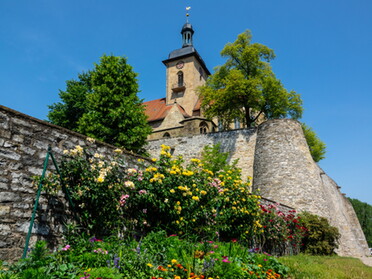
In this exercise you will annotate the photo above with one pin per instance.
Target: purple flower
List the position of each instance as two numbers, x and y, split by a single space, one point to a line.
94 239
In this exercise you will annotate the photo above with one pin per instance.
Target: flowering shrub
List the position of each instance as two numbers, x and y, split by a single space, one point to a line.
189 199
281 233
94 183
165 195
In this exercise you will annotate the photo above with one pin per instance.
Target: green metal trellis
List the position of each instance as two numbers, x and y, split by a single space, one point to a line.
64 188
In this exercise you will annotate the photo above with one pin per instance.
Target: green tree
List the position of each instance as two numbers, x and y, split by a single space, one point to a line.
245 87
316 146
364 213
103 104
68 112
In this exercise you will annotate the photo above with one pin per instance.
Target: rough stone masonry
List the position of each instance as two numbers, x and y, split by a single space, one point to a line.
277 156
24 142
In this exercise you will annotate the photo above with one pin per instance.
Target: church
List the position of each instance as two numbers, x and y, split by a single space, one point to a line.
179 112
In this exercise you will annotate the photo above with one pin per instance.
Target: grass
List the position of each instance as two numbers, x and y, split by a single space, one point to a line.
326 267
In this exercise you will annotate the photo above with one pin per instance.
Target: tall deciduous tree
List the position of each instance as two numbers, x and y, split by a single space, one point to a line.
245 87
103 104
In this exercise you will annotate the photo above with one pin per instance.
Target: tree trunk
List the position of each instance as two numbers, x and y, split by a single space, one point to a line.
248 119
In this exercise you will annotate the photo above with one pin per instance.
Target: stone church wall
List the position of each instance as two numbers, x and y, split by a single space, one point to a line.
24 143
239 143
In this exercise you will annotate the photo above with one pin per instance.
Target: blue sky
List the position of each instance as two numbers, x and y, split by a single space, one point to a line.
323 48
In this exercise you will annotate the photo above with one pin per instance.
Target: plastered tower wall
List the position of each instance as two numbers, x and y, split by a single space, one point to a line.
285 172
192 79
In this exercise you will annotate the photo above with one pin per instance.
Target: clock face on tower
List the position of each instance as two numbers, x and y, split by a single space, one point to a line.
180 64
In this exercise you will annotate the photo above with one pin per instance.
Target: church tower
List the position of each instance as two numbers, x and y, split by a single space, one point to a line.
185 71
179 113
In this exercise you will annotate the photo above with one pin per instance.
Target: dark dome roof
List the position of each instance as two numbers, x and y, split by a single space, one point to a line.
187 27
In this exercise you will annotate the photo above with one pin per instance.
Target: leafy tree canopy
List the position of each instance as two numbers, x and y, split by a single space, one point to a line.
103 104
245 87
316 146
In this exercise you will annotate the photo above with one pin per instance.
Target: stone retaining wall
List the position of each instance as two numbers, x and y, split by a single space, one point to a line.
285 172
24 143
240 144
276 155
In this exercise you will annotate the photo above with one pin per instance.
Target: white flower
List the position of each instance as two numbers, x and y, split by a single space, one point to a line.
129 184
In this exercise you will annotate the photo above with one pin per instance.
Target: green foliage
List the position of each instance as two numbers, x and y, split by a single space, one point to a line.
104 105
74 102
103 273
325 267
215 160
189 200
40 264
95 185
321 237
316 146
245 87
158 256
364 213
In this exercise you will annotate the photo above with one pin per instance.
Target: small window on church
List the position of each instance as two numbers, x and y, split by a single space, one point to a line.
203 127
166 135
180 78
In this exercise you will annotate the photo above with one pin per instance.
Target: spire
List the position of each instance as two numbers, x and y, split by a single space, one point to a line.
187 31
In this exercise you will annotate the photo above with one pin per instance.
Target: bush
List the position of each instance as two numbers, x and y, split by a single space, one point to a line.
186 199
321 237
282 233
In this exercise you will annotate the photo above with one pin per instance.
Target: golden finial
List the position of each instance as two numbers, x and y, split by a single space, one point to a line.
187 13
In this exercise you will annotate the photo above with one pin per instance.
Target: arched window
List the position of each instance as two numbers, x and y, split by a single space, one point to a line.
180 78
203 127
166 135
188 38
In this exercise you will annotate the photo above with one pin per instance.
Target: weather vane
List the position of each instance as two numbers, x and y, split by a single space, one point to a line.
187 13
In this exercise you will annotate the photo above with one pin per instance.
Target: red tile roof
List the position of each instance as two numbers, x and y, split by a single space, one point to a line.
197 105
157 109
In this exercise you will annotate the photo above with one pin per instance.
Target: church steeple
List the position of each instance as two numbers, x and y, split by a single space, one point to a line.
187 32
